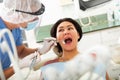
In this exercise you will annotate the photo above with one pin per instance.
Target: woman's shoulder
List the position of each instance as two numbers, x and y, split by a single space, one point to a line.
54 64
52 61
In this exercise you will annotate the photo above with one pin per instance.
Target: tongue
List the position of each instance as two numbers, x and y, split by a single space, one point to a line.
68 41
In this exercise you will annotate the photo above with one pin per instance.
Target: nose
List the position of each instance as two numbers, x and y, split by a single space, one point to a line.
66 32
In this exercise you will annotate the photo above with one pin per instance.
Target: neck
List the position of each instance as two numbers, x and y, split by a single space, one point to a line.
10 26
68 55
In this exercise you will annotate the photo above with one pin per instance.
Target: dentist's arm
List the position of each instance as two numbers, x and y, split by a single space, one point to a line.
47 44
23 51
107 76
8 72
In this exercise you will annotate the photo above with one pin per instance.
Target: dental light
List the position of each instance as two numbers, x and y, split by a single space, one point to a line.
14 58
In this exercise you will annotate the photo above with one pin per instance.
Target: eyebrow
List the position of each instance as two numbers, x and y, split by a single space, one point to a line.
60 27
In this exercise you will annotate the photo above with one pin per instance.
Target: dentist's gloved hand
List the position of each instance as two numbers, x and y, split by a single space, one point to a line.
28 60
47 45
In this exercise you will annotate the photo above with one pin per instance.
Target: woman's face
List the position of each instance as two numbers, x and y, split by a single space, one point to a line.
67 36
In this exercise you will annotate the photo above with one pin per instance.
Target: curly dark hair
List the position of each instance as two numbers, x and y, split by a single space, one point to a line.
54 29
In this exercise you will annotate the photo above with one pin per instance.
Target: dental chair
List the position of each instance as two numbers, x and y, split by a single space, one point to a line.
20 74
14 58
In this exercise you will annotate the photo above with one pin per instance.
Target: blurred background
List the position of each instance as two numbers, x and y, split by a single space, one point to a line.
100 21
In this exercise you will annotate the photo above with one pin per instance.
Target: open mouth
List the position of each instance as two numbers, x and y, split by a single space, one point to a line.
67 41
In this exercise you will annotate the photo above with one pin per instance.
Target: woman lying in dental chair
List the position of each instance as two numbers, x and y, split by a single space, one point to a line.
71 64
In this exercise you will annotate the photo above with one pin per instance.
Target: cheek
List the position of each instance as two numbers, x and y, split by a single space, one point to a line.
76 34
59 37
75 37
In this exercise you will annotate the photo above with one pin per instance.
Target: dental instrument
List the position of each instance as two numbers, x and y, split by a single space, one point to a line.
31 66
33 62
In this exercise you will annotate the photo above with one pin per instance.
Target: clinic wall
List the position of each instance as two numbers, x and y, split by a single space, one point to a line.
109 37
